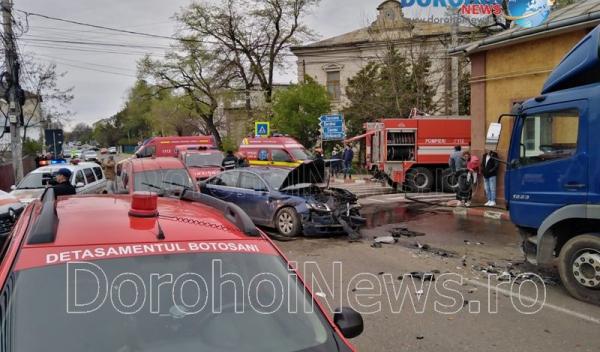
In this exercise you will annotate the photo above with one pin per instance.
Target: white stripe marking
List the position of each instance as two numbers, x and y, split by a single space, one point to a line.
528 299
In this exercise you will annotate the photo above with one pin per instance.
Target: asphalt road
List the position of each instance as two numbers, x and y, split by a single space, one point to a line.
464 309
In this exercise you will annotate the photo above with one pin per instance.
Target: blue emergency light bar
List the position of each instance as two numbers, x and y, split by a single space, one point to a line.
58 161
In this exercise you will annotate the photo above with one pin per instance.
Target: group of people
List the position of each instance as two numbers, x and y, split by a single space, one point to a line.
466 169
342 161
230 161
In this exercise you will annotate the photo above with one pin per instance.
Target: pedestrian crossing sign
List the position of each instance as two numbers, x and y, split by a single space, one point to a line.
262 129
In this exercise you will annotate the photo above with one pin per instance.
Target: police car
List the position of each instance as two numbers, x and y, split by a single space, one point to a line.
86 178
155 274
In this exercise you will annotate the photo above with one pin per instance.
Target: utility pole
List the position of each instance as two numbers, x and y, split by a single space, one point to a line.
12 80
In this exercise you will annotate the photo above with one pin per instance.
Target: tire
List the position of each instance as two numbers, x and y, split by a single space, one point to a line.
586 247
287 222
449 183
420 179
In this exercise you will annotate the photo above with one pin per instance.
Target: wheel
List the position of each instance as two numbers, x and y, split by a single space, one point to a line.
287 222
420 179
449 182
579 267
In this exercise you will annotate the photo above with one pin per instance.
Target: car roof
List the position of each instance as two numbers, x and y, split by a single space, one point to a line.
72 167
260 170
158 163
270 142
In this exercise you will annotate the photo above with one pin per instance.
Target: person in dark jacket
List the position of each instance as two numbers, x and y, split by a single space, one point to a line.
489 169
347 159
63 186
456 161
230 161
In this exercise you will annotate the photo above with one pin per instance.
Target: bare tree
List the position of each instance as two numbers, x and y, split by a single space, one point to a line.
252 34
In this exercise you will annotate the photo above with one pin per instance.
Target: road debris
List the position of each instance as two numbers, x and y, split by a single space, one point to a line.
385 239
422 276
398 232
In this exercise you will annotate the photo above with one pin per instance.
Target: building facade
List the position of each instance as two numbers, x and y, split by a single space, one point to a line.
333 61
512 66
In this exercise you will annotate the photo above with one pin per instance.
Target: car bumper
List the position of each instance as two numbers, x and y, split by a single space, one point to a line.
326 223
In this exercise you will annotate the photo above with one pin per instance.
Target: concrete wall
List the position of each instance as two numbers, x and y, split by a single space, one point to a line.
505 75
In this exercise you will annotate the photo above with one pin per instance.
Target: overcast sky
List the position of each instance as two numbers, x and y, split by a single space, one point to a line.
101 76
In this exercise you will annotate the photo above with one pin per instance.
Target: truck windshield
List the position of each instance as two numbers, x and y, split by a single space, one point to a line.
119 305
166 179
203 159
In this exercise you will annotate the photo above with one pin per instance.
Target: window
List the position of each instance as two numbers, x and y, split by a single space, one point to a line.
280 155
162 180
89 175
549 136
333 84
227 179
251 181
98 173
79 177
300 154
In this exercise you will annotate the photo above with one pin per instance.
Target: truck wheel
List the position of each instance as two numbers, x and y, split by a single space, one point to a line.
449 181
579 267
419 179
287 222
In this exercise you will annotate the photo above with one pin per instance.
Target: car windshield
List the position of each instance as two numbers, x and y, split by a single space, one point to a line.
37 180
275 177
204 159
167 179
178 302
300 153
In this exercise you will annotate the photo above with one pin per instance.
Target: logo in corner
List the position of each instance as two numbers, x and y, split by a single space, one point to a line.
528 13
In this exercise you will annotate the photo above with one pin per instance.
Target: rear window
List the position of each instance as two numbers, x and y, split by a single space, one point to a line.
162 180
178 302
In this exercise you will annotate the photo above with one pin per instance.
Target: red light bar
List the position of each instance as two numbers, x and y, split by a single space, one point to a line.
144 204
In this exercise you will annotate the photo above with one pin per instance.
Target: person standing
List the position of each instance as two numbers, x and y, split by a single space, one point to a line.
110 174
230 161
489 168
456 161
347 159
467 178
63 186
335 162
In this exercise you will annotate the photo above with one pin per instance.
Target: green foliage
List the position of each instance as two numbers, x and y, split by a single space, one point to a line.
297 110
229 144
389 88
32 147
82 132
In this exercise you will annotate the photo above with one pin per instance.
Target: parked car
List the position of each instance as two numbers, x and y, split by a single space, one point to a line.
87 178
290 201
76 154
103 150
112 150
202 164
89 155
163 175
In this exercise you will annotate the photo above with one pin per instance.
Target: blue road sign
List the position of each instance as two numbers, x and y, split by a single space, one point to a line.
332 127
262 129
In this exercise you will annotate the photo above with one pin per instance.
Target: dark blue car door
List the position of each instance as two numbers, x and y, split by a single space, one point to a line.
253 197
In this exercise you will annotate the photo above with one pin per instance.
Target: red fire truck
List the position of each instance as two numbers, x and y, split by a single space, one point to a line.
414 152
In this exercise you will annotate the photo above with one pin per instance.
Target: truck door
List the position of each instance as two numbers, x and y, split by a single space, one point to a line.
548 163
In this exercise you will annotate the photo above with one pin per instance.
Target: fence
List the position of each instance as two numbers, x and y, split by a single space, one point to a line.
7 177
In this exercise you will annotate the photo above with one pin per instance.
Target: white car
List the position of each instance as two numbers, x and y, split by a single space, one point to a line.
76 154
89 155
87 178
112 150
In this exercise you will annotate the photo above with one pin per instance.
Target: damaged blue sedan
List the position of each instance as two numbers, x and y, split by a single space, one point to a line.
291 201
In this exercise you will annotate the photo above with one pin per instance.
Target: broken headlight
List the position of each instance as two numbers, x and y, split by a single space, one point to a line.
318 206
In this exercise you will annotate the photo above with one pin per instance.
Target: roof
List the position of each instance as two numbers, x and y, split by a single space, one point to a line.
159 163
269 141
182 139
72 167
582 14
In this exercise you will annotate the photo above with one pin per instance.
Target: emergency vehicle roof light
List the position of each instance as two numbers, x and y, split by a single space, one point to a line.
144 204
44 229
232 212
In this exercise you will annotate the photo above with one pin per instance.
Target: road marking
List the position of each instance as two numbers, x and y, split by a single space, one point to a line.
528 299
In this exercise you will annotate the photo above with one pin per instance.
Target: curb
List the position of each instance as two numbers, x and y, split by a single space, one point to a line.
489 214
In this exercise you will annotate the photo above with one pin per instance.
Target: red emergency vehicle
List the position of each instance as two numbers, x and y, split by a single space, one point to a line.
274 151
202 163
165 146
414 152
161 175
159 274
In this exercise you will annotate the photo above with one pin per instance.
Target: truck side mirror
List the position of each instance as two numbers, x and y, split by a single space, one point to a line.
493 134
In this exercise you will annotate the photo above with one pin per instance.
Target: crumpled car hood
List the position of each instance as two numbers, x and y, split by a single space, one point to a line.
311 172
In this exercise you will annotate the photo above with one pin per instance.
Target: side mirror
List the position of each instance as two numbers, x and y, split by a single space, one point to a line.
13 187
493 134
349 322
79 184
